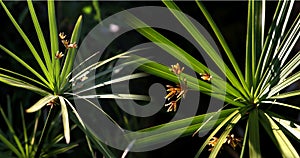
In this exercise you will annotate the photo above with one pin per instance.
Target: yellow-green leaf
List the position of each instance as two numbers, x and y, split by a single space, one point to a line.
65 119
287 124
41 103
278 137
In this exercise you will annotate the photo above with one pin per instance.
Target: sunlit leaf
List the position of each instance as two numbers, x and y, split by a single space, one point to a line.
28 42
22 84
41 103
224 134
65 118
290 126
68 64
277 136
216 130
282 104
41 39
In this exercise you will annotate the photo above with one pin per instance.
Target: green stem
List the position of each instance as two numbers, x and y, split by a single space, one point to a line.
41 141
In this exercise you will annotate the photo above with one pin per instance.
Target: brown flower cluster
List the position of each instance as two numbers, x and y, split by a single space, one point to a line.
205 76
52 103
179 91
230 140
59 55
66 43
233 142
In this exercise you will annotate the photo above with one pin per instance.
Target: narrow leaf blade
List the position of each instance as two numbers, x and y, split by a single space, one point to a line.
41 103
65 118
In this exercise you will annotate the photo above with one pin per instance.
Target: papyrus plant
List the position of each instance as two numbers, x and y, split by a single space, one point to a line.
52 78
250 96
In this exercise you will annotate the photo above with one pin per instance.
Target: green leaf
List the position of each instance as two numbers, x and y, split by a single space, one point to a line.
85 130
286 95
283 52
254 138
95 106
216 130
226 49
289 41
288 125
19 146
22 84
68 64
65 118
201 40
209 119
290 80
278 137
34 133
166 132
118 96
23 77
269 55
113 81
167 45
193 83
60 150
281 104
53 39
93 138
164 72
245 141
41 39
224 135
29 44
24 131
177 52
96 65
41 103
256 38
288 6
77 80
248 64
9 145
290 66
25 65
5 140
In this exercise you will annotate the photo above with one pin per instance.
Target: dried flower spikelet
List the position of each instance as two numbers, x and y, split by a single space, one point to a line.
232 141
172 91
65 43
205 76
72 45
59 55
177 69
172 106
62 35
183 89
213 142
179 91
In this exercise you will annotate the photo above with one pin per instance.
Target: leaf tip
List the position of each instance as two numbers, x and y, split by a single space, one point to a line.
30 110
67 139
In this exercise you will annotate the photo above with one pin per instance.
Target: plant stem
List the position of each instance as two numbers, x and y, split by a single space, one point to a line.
41 141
